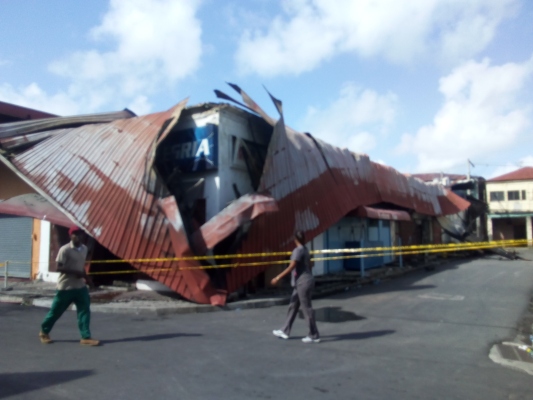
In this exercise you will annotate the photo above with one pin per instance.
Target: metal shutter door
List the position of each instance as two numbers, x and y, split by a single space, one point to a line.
16 245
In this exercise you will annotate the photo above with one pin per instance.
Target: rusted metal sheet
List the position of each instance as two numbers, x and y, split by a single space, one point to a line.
377 213
47 124
11 143
450 203
316 184
21 113
101 176
95 175
35 206
243 210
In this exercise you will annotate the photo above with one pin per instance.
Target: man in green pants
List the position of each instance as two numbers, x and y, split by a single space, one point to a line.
71 288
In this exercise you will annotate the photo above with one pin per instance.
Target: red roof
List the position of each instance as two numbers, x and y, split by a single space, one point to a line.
522 174
21 113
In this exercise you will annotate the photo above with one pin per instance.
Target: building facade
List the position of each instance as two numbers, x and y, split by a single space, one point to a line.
510 199
24 240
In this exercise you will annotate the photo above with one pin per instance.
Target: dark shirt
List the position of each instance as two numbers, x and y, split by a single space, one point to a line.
303 265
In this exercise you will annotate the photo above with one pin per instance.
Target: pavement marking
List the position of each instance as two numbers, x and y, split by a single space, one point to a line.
438 296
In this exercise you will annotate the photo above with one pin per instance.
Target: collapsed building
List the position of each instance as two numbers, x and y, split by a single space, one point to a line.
471 224
208 179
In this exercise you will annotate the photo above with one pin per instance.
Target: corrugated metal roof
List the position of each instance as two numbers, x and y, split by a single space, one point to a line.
18 128
316 184
35 206
522 174
378 213
22 113
96 175
101 176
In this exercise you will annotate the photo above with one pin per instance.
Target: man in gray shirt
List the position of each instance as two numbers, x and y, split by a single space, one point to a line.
71 288
303 283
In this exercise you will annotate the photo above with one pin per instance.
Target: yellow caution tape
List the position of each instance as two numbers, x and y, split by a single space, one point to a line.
487 245
355 253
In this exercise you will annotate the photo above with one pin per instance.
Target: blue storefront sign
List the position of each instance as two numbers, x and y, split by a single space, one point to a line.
193 150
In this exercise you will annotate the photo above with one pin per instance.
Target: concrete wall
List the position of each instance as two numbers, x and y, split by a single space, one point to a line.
44 254
318 244
234 127
513 205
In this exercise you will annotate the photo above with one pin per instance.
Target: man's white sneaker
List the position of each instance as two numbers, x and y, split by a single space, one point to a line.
280 334
307 339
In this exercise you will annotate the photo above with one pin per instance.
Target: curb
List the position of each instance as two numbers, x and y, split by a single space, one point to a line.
141 307
167 308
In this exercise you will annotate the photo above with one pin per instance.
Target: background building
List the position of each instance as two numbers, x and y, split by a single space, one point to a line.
510 198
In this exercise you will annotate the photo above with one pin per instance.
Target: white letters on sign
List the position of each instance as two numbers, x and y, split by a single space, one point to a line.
203 148
191 149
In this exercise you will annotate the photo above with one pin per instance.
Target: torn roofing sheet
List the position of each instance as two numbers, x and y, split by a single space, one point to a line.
378 213
18 128
11 112
14 135
95 174
34 205
316 184
17 197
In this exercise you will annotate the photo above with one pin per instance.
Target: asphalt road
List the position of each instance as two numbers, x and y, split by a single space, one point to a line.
426 335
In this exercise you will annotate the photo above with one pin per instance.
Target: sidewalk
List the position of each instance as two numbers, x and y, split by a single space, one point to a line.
132 301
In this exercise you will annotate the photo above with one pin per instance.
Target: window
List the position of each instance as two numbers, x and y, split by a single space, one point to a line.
513 195
496 196
523 194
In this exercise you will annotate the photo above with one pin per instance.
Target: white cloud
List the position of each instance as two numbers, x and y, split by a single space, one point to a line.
140 105
310 32
32 96
483 113
355 120
152 44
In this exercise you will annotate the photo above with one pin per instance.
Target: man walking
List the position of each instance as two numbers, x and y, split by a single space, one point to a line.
71 288
303 283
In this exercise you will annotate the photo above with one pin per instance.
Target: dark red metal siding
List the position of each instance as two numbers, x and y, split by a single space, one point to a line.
95 173
10 112
316 185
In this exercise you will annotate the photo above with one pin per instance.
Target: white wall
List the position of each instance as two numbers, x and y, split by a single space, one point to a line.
234 126
231 125
44 255
513 205
318 244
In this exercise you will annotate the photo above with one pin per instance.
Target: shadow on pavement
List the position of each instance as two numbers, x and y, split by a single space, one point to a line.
16 383
356 335
333 314
148 338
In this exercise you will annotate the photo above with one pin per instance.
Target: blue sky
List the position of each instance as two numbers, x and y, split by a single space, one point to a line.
420 85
